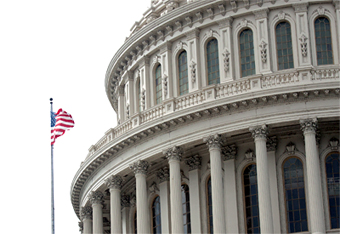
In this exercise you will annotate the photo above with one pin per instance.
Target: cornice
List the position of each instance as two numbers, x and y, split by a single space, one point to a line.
185 116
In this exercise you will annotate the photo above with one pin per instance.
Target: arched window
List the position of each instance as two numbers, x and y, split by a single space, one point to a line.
247 59
284 46
183 73
252 215
209 206
135 222
212 62
333 187
158 84
186 208
294 189
323 41
156 215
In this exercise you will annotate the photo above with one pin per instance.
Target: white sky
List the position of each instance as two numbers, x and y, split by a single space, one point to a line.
59 49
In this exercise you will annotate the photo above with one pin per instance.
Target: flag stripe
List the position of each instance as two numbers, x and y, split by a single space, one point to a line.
60 122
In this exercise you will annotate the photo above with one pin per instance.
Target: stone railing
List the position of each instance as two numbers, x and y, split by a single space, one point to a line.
231 89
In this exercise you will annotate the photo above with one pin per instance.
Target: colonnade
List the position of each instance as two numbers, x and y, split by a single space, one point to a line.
220 191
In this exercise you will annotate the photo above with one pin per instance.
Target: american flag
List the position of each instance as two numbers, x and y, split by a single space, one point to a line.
60 122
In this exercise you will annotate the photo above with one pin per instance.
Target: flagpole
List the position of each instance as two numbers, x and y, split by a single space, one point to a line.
52 179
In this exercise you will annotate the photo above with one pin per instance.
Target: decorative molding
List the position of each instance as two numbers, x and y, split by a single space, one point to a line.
226 59
263 46
261 14
96 197
246 4
193 71
233 4
229 152
194 162
173 153
139 167
114 182
290 148
180 45
303 44
334 143
86 213
165 85
300 7
210 13
250 155
199 16
271 143
153 188
259 131
222 9
163 174
179 25
309 125
214 141
142 100
194 33
227 22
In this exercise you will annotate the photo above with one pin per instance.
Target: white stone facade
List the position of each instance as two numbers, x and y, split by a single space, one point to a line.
214 131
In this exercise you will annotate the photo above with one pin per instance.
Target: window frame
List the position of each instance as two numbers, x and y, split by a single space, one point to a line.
160 213
239 51
155 85
177 72
206 60
185 184
314 36
292 43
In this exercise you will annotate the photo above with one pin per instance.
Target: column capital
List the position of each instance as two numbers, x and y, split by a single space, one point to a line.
140 167
173 153
114 182
194 162
271 143
125 200
259 132
163 174
85 212
214 141
81 227
309 125
300 7
96 197
229 152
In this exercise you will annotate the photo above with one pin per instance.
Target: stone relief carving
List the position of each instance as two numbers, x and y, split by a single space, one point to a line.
163 174
229 152
174 152
214 141
139 167
250 155
334 143
246 4
153 188
226 59
165 84
114 182
290 148
233 4
194 162
271 143
142 100
259 131
263 49
303 44
199 16
309 125
86 212
193 71
128 111
96 197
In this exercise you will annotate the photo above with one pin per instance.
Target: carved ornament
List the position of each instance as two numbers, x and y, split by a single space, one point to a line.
250 155
163 174
114 182
153 188
125 200
259 131
303 44
140 167
173 153
86 212
334 143
193 71
229 152
194 162
271 143
214 141
96 197
309 125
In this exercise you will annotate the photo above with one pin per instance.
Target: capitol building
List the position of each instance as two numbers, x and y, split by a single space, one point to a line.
228 122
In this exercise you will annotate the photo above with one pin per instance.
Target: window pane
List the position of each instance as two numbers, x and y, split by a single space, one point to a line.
156 216
333 185
183 73
251 199
158 82
295 195
212 62
246 59
323 41
186 208
284 46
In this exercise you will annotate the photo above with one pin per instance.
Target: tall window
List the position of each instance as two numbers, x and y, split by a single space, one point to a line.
186 208
284 46
209 206
294 188
251 200
156 216
323 41
212 62
247 53
158 83
183 73
333 185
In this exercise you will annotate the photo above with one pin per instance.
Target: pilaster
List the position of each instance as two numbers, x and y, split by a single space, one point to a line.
226 49
261 18
194 75
303 34
194 163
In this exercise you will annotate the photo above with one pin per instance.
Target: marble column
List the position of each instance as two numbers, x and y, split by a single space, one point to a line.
174 156
259 134
86 217
229 153
316 209
114 183
97 200
163 175
214 143
125 202
140 168
194 163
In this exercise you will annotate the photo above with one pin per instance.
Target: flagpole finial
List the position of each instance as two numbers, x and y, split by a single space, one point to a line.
51 99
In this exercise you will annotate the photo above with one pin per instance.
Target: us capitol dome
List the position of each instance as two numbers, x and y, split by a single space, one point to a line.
228 122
